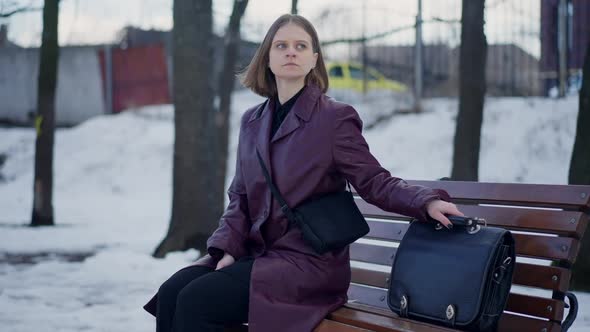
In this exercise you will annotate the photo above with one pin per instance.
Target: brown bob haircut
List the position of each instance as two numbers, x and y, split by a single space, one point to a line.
259 78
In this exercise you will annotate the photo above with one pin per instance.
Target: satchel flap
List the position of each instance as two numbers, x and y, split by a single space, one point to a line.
437 268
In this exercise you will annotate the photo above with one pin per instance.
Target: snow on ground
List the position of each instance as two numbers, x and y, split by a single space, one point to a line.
113 191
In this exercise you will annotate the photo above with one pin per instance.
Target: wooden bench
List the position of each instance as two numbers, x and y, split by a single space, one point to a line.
547 221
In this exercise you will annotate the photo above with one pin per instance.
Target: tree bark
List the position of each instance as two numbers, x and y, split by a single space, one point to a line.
294 7
580 173
226 87
45 117
472 89
195 209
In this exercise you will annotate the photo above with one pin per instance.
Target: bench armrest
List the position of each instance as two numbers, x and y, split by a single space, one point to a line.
573 312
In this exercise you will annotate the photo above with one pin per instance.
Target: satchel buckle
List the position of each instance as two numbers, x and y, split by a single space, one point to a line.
473 229
450 312
403 306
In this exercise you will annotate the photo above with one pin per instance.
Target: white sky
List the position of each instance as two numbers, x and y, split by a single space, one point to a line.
90 22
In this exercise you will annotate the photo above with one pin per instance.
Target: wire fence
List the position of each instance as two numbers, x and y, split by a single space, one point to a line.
525 43
535 47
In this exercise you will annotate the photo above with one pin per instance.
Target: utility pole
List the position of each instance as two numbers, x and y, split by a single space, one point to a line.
562 47
418 61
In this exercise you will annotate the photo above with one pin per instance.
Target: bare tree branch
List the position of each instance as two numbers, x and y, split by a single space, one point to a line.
387 33
20 11
376 36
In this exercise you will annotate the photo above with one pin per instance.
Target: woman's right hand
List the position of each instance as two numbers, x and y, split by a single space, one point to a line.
226 260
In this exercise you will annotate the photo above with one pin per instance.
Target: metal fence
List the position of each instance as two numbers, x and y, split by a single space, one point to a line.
535 47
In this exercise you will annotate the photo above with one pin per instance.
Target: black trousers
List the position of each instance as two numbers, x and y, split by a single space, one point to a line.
200 299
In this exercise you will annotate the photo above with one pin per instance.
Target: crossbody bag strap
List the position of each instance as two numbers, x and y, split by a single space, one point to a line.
275 191
348 185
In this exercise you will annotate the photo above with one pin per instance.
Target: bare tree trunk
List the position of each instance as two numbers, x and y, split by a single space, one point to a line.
294 7
472 89
226 87
195 209
45 117
580 173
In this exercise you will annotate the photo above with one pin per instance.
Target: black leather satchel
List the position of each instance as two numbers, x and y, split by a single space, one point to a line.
457 277
327 223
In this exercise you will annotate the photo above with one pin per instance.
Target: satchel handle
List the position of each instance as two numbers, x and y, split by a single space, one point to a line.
471 224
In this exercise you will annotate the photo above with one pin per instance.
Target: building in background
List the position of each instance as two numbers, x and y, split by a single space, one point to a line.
511 71
98 79
79 94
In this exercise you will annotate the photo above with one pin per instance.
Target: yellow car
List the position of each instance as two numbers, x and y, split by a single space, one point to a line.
345 75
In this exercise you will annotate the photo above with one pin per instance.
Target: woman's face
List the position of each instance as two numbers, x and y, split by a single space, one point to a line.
291 55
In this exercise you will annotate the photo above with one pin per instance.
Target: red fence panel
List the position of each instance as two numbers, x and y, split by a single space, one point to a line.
139 76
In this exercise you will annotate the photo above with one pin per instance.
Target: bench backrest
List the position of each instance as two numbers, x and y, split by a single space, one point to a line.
547 222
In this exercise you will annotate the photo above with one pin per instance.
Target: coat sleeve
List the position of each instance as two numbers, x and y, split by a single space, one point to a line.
374 183
235 222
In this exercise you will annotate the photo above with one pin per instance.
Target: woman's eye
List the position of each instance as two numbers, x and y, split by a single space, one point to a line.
281 45
301 46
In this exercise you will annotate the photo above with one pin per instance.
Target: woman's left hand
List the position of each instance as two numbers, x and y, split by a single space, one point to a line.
437 210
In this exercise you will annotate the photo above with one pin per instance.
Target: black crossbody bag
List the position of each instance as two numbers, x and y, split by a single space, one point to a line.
328 223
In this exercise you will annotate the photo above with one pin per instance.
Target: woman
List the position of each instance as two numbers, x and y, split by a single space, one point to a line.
259 270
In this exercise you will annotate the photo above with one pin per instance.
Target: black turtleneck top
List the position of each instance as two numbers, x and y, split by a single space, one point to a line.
281 111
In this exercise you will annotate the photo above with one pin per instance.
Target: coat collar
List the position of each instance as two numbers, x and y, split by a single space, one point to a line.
303 106
261 120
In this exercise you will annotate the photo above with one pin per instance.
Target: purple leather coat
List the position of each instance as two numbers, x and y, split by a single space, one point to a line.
318 145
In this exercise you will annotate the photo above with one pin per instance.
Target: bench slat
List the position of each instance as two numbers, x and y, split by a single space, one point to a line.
372 254
535 306
508 322
547 277
563 223
565 196
524 274
333 326
515 323
524 304
369 277
387 231
380 323
533 246
554 248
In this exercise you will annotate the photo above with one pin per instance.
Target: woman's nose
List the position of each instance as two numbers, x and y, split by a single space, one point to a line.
290 52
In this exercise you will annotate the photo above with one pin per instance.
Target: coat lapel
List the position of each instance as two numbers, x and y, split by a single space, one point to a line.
261 125
289 125
261 121
301 111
